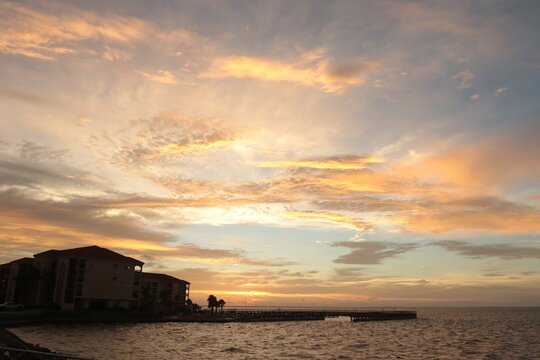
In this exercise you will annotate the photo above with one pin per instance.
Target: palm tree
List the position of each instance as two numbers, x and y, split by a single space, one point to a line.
212 303
221 304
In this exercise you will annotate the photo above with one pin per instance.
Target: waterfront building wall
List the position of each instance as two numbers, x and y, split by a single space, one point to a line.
162 292
15 281
89 277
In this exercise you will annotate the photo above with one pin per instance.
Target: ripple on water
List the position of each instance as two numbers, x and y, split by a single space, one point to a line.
479 334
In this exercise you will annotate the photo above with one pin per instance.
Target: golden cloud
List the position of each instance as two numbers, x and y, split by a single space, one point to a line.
33 225
318 216
197 144
36 34
162 76
350 162
323 74
167 136
39 33
486 166
477 214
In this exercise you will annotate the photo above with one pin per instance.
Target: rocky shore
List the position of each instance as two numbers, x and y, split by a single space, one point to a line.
10 340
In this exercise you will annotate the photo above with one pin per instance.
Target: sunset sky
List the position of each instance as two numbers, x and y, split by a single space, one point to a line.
358 153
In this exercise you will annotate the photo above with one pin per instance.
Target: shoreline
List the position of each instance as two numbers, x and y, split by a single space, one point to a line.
10 340
15 320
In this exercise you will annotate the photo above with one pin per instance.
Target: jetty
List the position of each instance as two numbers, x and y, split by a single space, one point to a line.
240 314
304 314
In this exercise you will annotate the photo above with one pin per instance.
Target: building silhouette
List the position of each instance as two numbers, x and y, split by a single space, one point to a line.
16 280
88 277
160 291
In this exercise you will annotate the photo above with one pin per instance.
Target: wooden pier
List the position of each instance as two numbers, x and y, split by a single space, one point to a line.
301 315
383 315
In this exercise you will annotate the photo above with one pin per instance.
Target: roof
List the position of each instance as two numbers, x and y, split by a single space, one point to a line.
93 251
162 277
25 260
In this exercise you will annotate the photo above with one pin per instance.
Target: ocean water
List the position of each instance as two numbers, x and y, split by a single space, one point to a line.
485 333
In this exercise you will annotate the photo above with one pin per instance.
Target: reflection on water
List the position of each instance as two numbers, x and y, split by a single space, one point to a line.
487 334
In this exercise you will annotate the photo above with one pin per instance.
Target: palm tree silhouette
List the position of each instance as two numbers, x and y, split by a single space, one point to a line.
221 304
212 303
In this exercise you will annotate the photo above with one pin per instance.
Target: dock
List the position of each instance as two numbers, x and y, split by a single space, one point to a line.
230 315
303 315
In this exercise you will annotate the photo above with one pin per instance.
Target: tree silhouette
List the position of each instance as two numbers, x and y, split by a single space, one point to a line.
221 304
212 303
192 307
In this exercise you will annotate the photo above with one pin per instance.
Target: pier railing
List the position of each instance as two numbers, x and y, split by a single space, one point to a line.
317 314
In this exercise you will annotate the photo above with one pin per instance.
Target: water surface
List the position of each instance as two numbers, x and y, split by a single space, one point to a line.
490 334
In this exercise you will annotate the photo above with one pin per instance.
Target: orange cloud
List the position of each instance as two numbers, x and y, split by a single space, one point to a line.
484 214
44 35
339 163
318 216
36 34
162 76
197 144
312 71
166 136
486 166
33 225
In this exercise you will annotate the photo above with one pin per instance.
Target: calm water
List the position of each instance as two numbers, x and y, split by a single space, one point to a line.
437 334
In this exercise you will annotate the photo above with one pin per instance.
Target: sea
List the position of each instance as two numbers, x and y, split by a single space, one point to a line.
449 333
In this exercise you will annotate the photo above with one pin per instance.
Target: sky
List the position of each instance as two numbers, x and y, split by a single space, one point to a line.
302 153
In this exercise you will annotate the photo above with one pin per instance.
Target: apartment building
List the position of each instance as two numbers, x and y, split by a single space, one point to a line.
89 277
163 287
16 279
